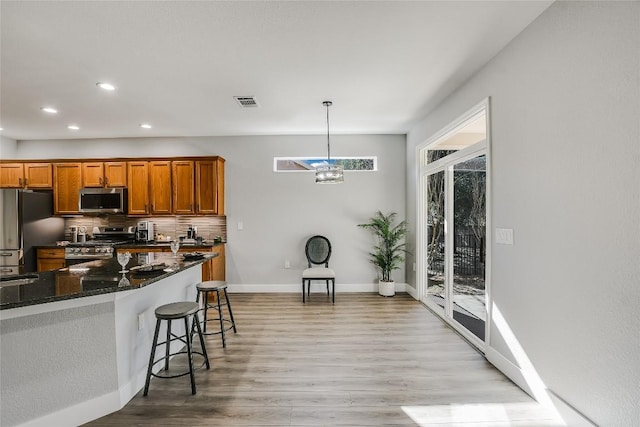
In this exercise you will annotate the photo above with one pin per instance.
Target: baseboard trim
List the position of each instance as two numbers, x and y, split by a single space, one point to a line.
315 287
80 413
571 416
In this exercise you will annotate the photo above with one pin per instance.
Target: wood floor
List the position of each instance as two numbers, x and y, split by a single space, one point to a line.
365 361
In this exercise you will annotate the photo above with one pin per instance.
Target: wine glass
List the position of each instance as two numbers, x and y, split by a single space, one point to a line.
175 245
123 260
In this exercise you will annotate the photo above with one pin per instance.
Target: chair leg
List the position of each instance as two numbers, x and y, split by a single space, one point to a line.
303 291
153 354
333 292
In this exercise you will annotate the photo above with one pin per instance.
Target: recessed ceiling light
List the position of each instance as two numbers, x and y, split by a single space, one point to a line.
49 110
106 86
73 127
145 125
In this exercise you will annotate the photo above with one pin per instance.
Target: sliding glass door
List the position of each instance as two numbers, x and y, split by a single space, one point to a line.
453 240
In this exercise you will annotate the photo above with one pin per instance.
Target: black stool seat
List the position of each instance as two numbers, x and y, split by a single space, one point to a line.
219 287
177 311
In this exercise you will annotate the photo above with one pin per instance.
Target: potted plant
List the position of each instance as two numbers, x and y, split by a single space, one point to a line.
389 251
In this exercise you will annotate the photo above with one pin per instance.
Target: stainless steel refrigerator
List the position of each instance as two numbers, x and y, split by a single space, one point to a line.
27 222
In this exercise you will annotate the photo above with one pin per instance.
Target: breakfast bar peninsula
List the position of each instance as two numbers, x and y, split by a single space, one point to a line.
75 342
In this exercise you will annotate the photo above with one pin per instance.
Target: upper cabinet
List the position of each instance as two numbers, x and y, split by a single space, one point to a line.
183 187
160 187
138 191
155 186
67 182
209 187
26 175
104 174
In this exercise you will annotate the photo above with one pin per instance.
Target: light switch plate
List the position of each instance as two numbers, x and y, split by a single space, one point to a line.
504 236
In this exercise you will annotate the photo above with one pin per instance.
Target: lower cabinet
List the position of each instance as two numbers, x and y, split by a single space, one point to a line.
50 259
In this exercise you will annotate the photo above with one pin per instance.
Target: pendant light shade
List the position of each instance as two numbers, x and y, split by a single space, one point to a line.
328 173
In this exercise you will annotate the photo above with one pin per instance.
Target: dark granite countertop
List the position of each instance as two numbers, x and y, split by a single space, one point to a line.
136 245
94 278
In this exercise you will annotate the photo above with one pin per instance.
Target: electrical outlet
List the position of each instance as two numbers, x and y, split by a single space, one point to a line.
240 225
504 236
287 264
140 321
414 266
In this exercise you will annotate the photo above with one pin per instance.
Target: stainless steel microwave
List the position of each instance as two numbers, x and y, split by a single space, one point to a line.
103 200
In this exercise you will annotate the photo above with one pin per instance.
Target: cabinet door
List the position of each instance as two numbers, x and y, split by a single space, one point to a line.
11 175
38 175
160 187
206 187
67 181
115 174
183 187
138 190
92 174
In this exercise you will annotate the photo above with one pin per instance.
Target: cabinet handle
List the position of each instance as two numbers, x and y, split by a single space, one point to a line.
100 180
5 254
151 206
106 181
20 182
6 270
26 182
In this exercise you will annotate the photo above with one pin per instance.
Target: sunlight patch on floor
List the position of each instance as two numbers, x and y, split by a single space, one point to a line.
483 414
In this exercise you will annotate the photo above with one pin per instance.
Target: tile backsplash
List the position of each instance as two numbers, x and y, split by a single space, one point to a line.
208 226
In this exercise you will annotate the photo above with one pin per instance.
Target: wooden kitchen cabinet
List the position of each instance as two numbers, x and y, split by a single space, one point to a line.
67 182
183 187
209 186
104 174
26 175
50 259
138 190
160 187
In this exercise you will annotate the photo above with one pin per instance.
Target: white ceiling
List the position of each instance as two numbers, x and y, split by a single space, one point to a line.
178 64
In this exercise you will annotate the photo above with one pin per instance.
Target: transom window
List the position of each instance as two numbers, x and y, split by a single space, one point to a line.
302 164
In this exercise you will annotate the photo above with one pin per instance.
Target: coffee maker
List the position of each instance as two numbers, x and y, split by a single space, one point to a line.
145 231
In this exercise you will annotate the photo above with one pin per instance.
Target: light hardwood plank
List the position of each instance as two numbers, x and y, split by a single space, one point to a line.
365 361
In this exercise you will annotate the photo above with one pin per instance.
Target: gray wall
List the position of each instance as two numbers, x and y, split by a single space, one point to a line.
8 148
565 98
278 210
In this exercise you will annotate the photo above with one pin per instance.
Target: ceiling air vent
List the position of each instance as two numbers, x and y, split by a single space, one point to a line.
246 101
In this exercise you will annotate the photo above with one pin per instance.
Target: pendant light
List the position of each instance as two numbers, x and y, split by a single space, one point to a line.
328 173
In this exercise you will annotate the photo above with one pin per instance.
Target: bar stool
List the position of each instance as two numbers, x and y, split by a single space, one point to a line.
218 287
176 311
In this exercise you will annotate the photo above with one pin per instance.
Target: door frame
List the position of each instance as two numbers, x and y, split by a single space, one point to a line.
444 164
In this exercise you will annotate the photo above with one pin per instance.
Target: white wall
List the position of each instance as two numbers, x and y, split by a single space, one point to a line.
565 100
279 211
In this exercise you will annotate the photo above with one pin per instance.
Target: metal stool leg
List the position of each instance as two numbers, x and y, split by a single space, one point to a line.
196 323
221 318
206 308
233 322
303 290
153 354
167 346
187 337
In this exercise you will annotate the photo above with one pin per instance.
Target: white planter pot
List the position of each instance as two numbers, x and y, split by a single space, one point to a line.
386 289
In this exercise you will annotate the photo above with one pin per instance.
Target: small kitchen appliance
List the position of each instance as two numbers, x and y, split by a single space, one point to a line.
145 231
